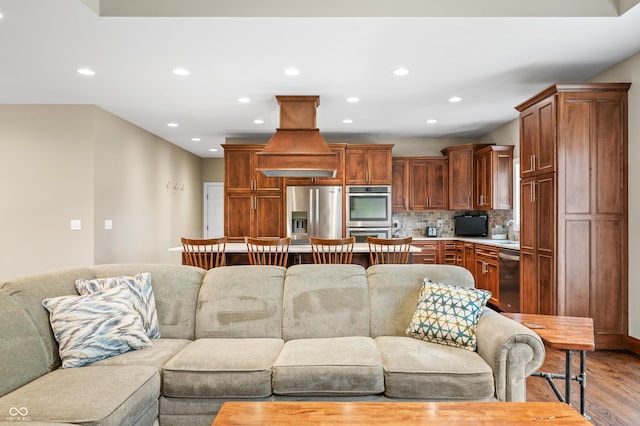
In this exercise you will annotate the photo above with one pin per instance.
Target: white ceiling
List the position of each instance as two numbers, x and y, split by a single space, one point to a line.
493 63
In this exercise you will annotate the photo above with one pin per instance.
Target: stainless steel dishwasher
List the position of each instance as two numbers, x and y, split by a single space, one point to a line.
509 291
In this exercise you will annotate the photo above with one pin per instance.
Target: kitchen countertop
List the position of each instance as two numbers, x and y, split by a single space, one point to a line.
293 248
514 245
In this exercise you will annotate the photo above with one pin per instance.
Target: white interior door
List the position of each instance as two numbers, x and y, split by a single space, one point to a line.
213 209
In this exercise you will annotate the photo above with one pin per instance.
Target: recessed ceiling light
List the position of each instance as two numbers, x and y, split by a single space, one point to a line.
195 139
213 150
353 99
244 100
258 121
291 71
347 121
400 71
432 121
86 71
172 124
181 71
1 16
455 99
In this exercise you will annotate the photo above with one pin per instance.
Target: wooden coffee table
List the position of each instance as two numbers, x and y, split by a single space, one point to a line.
568 334
397 413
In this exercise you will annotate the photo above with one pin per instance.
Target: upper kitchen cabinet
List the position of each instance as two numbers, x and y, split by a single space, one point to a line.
368 164
493 177
574 214
420 183
461 176
400 185
240 172
538 137
338 179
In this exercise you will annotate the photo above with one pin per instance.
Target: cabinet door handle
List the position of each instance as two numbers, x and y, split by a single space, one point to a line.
469 201
533 161
484 267
366 177
533 192
255 203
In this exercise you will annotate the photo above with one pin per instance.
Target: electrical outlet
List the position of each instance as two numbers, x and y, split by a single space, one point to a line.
439 223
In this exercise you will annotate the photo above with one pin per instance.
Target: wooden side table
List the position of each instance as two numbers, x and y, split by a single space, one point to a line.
568 334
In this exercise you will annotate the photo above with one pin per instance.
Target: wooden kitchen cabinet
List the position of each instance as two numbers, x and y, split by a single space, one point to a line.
253 203
469 257
428 180
461 176
368 164
449 252
487 273
338 179
493 178
574 213
429 254
400 185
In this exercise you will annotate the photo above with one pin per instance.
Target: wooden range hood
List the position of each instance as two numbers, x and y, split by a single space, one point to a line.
297 149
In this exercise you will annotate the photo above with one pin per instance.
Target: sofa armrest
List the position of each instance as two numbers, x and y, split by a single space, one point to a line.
513 352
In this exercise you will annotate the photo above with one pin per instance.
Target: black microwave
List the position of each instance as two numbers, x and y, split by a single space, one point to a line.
472 226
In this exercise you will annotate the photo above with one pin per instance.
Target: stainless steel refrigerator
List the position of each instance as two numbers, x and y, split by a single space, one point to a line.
314 211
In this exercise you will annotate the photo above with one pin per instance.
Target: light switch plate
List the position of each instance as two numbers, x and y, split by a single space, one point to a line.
108 224
76 224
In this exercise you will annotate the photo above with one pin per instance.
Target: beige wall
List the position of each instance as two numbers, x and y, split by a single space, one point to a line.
63 162
213 170
507 134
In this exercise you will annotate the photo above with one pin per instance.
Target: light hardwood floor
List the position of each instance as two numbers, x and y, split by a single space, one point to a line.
613 385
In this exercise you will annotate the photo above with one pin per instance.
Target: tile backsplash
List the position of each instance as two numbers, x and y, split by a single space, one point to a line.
414 223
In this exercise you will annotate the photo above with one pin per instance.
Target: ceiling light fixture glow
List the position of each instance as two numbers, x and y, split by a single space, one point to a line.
291 71
213 150
172 124
86 71
347 121
181 72
455 99
400 71
432 121
195 139
244 100
258 121
353 99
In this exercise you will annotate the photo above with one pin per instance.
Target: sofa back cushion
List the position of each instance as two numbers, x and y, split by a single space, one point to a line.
241 302
30 290
175 289
394 291
23 355
325 301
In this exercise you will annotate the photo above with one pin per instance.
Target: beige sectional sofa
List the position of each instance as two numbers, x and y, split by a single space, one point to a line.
321 332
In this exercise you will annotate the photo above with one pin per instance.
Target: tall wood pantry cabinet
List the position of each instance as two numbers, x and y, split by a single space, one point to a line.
253 202
573 190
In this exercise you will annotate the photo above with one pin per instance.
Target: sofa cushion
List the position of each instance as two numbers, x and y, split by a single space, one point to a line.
241 301
175 289
325 301
96 326
105 395
23 356
448 314
142 297
30 290
222 368
329 366
417 369
394 289
157 355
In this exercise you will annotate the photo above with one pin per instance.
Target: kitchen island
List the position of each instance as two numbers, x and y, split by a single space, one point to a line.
236 254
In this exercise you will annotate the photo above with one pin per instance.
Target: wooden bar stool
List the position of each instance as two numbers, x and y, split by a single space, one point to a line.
332 250
268 250
204 253
389 250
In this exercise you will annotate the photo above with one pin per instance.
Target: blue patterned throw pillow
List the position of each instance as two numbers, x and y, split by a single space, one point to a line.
96 326
143 299
448 314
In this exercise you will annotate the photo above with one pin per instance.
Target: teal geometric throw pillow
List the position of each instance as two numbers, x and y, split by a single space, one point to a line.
448 314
